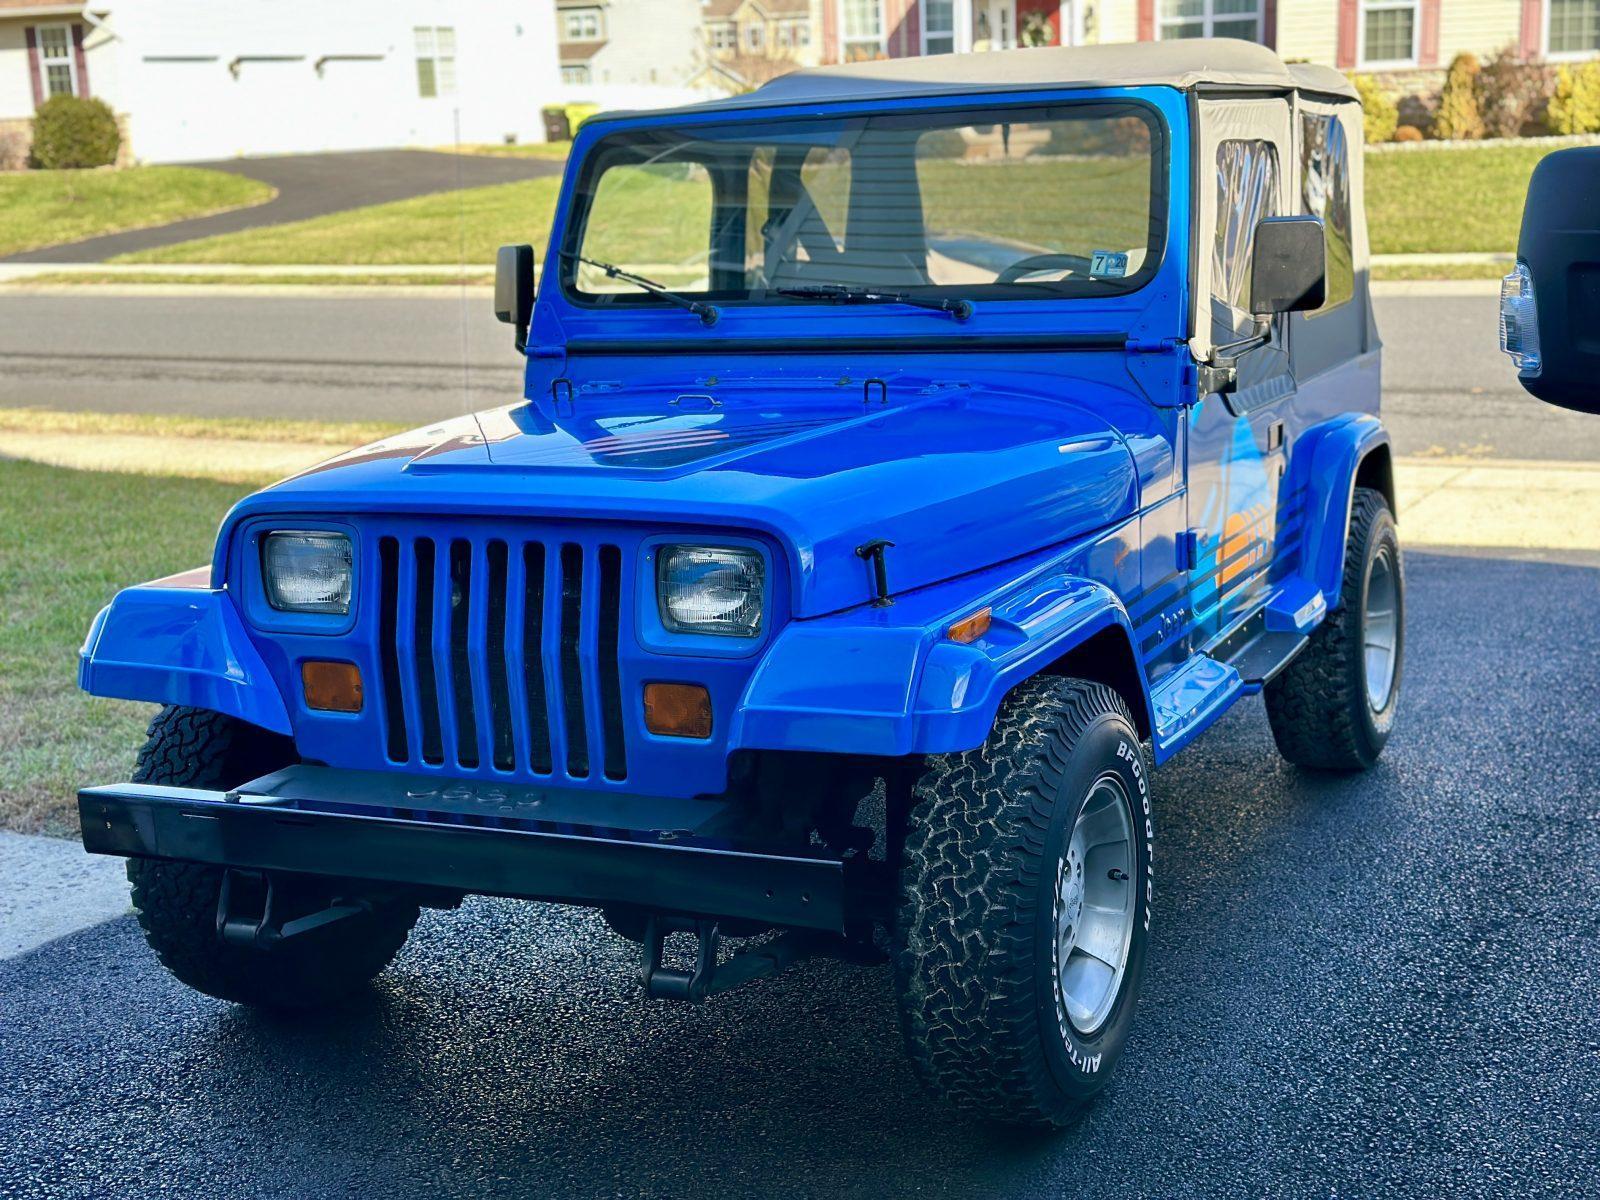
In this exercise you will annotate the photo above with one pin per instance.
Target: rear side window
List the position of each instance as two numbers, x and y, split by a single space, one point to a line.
1247 191
1325 193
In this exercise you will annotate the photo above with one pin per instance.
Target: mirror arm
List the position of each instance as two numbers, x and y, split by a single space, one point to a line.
1219 373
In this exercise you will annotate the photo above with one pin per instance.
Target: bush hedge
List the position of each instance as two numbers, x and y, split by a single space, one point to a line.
1575 106
70 133
1457 118
1379 113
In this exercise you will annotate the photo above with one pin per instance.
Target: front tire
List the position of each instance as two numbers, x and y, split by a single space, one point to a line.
1333 707
1024 907
176 902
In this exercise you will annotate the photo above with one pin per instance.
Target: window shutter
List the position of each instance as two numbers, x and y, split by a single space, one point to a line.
79 62
1269 24
31 36
1349 23
1147 20
1532 31
1428 35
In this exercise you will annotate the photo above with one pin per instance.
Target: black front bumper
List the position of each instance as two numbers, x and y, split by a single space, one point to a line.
684 856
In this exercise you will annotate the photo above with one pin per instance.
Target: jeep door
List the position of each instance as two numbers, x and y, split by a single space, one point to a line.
1237 442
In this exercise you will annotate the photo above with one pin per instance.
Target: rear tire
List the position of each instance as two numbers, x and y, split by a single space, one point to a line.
1333 707
177 902
1005 1013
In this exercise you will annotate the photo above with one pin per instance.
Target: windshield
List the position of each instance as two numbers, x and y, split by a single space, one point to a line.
1021 203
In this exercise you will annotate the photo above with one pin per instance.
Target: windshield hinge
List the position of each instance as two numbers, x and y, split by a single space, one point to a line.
1153 345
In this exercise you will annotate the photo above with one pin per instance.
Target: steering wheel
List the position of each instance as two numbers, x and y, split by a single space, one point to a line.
1035 263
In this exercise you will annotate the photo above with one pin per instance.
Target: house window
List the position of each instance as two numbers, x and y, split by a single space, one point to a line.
1211 18
863 29
724 37
57 66
576 74
1389 33
755 38
580 25
436 60
1573 28
938 26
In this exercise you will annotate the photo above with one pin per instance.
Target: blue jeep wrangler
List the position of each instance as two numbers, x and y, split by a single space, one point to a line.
911 454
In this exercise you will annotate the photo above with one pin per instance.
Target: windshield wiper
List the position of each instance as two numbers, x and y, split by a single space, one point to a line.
708 313
840 294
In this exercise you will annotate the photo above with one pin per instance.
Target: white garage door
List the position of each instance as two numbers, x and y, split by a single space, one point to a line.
183 110
348 99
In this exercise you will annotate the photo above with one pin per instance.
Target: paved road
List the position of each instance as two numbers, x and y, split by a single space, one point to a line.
1375 985
310 185
1448 387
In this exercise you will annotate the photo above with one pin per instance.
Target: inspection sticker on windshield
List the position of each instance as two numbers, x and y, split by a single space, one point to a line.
1108 264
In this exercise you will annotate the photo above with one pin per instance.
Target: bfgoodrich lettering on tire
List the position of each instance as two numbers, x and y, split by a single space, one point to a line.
1025 906
1333 707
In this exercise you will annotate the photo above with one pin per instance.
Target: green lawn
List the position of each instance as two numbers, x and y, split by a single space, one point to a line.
1419 201
1438 201
425 229
68 541
42 208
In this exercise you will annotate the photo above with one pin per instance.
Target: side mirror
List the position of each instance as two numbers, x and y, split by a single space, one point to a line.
513 289
1550 303
1289 270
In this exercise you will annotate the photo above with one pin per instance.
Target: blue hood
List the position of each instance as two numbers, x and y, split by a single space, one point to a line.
957 478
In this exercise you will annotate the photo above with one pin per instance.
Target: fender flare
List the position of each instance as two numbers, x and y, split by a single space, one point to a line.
1328 462
180 645
888 682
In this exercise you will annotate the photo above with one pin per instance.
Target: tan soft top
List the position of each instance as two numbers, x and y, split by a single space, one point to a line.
1184 63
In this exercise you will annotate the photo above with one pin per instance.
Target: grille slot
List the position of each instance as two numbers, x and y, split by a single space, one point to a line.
572 660
388 647
502 654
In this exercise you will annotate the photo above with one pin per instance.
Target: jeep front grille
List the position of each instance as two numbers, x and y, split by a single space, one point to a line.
501 651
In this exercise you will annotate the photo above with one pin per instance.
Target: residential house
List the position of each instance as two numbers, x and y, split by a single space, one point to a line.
1387 37
753 40
630 53
198 79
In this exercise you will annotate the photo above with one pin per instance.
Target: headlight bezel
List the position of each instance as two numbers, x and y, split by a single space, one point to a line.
247 575
654 638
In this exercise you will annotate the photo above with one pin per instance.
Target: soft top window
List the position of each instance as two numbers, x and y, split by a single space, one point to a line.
1025 203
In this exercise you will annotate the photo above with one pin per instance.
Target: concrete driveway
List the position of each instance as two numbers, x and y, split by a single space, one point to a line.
310 185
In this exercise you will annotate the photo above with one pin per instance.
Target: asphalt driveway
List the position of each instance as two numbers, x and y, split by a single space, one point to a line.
310 185
1382 984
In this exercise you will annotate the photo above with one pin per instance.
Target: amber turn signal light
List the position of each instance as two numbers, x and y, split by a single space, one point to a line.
970 629
677 710
331 686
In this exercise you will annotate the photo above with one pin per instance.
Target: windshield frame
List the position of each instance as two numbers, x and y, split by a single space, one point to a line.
612 146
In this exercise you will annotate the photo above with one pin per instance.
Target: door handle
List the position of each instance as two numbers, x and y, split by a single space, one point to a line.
1275 436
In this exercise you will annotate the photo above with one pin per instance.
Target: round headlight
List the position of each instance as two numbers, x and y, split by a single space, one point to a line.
710 589
307 571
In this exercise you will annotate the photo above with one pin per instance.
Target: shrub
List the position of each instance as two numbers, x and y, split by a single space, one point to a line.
1408 133
1379 113
1457 117
1575 106
1511 93
71 133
